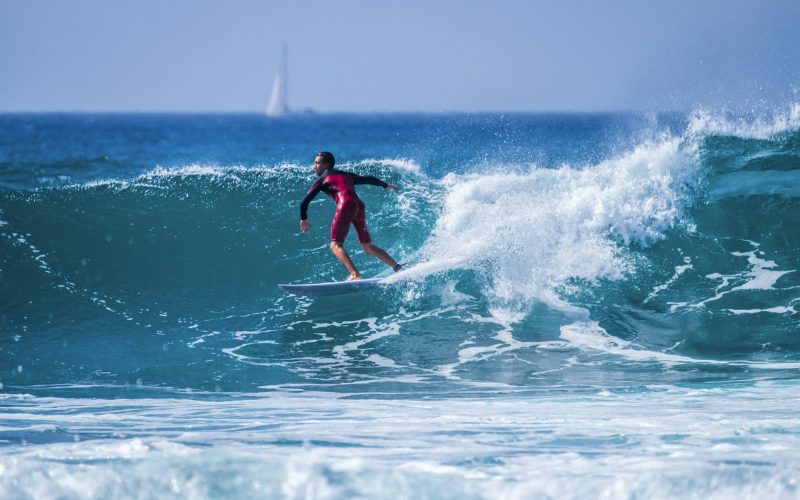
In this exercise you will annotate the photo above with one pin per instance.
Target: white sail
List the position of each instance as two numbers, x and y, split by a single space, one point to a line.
278 99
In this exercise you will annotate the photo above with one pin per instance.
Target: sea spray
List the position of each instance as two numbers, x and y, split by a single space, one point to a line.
532 234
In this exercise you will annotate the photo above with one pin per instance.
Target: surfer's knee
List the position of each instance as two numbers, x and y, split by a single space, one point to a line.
369 248
335 245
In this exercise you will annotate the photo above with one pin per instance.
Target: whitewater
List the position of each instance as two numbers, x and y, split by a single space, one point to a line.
595 305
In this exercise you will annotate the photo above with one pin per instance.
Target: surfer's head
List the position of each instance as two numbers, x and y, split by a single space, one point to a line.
323 162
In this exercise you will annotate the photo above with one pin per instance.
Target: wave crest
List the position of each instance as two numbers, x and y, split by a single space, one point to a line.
531 233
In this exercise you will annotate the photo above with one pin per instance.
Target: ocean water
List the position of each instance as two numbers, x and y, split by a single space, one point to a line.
597 305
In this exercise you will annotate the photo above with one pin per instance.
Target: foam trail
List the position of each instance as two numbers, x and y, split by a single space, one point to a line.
758 276
591 336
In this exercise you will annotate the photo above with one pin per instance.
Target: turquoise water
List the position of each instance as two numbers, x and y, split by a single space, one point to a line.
600 304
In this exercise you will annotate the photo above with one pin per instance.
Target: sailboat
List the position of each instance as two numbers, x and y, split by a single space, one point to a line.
278 106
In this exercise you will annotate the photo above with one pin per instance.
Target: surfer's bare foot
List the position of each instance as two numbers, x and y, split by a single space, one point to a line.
354 276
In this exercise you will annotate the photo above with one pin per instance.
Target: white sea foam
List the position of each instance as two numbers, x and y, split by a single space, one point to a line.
661 441
529 234
770 310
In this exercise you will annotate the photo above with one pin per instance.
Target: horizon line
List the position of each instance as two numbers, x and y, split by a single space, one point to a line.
312 113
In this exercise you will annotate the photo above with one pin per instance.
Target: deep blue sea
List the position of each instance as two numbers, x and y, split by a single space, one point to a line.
596 305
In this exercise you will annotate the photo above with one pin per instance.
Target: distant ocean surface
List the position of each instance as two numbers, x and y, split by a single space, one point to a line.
598 305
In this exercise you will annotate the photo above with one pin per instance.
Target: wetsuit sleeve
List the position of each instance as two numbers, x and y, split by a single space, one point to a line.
312 193
367 179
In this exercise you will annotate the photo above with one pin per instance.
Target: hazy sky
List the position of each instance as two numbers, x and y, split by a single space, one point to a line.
410 55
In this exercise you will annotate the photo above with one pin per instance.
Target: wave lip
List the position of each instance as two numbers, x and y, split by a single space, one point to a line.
704 123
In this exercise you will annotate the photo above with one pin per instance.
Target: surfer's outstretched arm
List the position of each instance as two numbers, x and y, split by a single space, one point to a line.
368 179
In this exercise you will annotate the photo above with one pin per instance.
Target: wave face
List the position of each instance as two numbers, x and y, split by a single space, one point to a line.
584 255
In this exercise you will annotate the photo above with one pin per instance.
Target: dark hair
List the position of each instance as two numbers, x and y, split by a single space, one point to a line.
327 157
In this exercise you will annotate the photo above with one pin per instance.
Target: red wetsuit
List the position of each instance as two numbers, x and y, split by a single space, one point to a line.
349 208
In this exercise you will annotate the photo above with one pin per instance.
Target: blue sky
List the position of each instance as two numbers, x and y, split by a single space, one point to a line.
364 56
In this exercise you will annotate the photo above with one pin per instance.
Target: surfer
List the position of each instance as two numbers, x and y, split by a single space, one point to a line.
350 209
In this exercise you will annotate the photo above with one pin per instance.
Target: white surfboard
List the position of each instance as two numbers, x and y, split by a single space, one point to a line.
333 287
